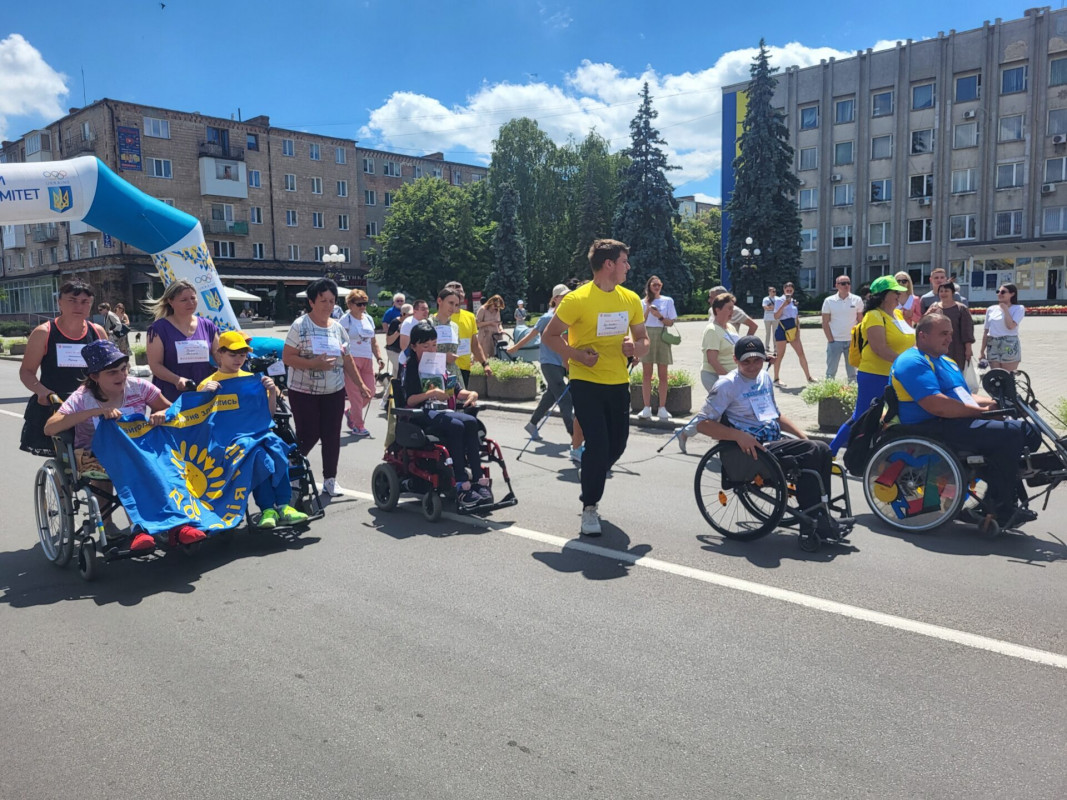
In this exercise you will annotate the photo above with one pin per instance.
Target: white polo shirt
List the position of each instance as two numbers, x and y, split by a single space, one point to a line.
844 313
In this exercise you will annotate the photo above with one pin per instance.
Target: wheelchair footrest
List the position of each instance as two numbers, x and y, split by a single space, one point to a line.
508 500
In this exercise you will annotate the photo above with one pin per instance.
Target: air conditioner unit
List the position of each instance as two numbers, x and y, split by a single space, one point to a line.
836 177
800 182
1059 138
970 114
1048 188
925 201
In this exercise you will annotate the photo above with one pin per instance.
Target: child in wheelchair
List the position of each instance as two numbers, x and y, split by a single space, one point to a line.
108 392
272 497
745 397
424 385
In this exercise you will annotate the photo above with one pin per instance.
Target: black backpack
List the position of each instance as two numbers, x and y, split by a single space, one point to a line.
865 432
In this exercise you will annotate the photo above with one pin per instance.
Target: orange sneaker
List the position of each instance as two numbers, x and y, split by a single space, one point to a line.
143 541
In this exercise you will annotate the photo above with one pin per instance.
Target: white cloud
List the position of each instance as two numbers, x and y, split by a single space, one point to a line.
594 95
700 197
30 86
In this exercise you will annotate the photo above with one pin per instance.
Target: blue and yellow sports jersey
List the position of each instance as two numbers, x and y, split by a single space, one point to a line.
916 375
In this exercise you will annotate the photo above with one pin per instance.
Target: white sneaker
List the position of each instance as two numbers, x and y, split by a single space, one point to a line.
330 487
531 429
590 521
682 439
662 413
646 413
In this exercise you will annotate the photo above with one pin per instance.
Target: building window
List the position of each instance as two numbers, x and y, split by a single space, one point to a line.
969 87
252 141
807 279
842 237
922 141
845 110
294 252
257 251
94 248
168 200
809 158
290 218
882 190
340 156
37 142
417 171
809 118
965 135
313 152
809 199
370 197
316 185
1010 175
920 230
809 238
844 194
224 249
921 186
1011 128
882 147
843 154
964 180
156 128
1057 72
342 188
255 215
253 178
316 219
882 104
391 169
222 212
1055 220
368 166
962 227
388 199
1057 121
1013 79
347 253
288 148
878 234
159 168
372 229
922 96
290 182
227 172
438 172
1008 223
457 178
1055 170
342 222
919 272
320 251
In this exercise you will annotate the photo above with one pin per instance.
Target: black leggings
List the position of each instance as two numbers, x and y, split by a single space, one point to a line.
459 432
807 454
603 411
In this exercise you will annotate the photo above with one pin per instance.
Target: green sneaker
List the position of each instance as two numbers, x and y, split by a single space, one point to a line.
268 519
290 516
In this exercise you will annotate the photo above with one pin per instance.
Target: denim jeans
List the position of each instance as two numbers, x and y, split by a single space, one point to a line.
834 351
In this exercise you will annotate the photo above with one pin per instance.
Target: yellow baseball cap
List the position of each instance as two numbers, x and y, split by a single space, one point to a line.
234 341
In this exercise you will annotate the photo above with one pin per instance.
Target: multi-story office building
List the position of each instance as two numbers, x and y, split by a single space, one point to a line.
689 206
271 201
946 152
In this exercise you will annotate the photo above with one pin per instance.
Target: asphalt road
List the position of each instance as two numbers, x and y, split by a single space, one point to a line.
384 657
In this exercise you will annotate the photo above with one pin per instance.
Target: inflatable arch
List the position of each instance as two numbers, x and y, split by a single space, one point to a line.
85 189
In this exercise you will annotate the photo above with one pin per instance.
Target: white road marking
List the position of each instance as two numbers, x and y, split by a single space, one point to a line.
11 414
784 595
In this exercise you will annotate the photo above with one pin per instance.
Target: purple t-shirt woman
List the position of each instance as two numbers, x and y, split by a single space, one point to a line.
187 356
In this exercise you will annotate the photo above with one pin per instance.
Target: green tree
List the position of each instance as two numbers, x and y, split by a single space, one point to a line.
700 237
597 184
508 277
762 206
644 218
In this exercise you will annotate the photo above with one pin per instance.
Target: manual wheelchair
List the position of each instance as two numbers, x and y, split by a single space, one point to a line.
744 498
416 462
914 483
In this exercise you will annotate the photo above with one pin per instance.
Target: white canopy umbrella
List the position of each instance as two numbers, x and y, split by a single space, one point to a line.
237 294
341 292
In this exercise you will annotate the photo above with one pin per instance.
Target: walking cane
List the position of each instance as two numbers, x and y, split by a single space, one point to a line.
676 434
544 419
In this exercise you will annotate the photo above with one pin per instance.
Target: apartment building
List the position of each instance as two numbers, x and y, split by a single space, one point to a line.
946 152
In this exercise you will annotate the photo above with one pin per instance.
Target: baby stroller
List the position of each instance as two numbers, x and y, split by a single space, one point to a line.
529 351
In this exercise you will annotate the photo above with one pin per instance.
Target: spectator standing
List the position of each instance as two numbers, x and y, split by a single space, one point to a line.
362 346
659 314
392 345
520 312
1000 334
740 318
469 347
938 277
490 329
180 342
394 310
720 336
787 312
960 348
420 312
448 331
910 303
769 322
840 313
123 341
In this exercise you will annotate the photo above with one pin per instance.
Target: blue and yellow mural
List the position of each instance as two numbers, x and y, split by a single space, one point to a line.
734 106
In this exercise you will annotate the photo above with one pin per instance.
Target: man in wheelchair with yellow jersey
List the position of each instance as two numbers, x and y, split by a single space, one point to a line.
933 397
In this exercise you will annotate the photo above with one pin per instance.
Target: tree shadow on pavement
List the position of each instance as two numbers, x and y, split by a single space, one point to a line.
962 539
596 559
27 579
771 550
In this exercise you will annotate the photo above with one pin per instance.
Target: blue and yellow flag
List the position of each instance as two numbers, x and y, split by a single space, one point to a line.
199 467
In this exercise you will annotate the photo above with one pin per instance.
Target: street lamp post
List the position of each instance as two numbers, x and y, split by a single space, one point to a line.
750 256
333 261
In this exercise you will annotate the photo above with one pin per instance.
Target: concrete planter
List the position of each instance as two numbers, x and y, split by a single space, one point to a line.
18 349
832 414
477 384
514 389
139 358
679 400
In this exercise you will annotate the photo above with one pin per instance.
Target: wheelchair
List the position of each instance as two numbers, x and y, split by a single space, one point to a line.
744 498
416 462
914 483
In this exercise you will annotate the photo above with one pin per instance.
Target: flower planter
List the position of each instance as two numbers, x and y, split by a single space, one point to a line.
140 358
18 349
513 389
477 384
832 414
679 400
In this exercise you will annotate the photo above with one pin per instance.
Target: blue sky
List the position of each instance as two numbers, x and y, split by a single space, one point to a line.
418 76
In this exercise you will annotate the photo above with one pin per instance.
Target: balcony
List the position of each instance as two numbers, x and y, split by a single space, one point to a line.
216 150
77 145
226 227
45 233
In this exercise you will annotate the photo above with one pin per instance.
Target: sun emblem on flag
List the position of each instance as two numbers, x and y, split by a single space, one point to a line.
203 478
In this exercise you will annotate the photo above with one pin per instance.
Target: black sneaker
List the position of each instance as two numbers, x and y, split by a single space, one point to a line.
484 494
468 499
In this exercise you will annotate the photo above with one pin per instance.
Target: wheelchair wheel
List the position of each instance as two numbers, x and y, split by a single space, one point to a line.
88 560
914 484
55 515
385 486
740 506
432 506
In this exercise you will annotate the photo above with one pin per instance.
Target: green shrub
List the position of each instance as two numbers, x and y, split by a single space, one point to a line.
676 378
830 388
15 328
1061 413
506 370
386 295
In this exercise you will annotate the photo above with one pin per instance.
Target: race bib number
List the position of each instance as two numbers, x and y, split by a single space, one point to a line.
432 364
965 396
191 351
612 323
444 334
361 347
464 348
904 327
763 408
324 345
276 369
69 355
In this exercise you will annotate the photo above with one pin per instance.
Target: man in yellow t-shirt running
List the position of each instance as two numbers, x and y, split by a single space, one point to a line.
606 329
468 336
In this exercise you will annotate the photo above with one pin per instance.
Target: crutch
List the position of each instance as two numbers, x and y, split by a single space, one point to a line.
544 419
676 434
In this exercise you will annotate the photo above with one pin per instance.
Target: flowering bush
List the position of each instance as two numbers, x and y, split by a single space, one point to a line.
1031 311
828 388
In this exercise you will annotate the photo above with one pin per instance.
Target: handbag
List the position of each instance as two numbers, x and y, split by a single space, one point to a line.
33 439
668 336
971 376
790 329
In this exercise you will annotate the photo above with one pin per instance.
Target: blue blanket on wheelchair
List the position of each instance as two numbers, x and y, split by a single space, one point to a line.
199 467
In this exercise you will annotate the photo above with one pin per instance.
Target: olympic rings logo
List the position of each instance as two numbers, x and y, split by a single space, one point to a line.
204 279
55 174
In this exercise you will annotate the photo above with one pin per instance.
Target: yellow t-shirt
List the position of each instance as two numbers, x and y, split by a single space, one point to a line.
600 320
468 329
221 376
897 339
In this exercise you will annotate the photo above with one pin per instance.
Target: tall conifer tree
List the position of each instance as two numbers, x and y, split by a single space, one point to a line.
508 276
